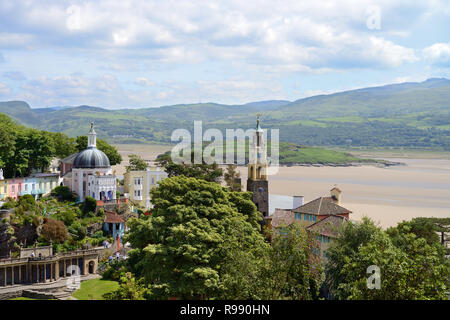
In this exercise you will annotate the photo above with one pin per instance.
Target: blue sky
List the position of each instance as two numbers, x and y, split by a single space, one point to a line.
144 53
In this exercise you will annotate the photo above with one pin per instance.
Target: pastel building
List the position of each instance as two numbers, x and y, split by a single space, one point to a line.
137 184
38 185
91 173
114 225
320 216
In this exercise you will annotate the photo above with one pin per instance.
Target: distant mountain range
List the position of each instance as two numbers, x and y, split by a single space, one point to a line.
408 115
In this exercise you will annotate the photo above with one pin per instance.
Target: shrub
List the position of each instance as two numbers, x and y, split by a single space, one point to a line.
89 206
98 234
77 230
8 205
54 230
27 202
63 193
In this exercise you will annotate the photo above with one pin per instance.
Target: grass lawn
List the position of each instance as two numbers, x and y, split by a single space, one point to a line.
94 289
22 298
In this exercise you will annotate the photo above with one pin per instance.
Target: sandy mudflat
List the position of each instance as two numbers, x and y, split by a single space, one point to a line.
387 195
421 188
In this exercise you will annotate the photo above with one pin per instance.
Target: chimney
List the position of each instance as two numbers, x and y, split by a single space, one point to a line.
336 195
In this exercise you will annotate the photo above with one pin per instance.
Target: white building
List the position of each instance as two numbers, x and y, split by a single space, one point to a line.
92 174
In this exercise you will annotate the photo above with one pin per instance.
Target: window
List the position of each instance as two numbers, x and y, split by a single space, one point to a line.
13 189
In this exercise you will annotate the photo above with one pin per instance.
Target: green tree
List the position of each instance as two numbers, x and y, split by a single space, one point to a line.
295 271
110 151
179 249
89 205
130 289
63 193
77 231
208 172
64 146
136 163
7 140
27 202
412 272
230 177
41 150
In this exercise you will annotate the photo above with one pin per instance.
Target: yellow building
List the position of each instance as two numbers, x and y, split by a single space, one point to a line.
3 189
137 184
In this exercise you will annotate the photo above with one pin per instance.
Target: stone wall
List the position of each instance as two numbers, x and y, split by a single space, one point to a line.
10 295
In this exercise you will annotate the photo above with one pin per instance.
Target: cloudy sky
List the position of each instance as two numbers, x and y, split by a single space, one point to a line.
145 53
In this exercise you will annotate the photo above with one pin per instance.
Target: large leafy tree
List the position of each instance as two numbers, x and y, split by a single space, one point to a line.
295 270
182 248
230 176
64 145
7 138
41 148
23 150
111 151
410 268
136 163
209 172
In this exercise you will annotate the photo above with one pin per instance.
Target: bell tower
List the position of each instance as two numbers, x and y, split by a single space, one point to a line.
257 181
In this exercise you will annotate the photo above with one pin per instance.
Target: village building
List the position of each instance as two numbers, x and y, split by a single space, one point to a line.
137 185
114 225
37 185
39 265
321 216
90 172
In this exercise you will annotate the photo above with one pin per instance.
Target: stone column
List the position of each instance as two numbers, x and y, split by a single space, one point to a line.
45 272
84 266
20 274
57 270
12 275
51 272
4 279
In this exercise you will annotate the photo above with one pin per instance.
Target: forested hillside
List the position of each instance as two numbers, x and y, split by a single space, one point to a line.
407 115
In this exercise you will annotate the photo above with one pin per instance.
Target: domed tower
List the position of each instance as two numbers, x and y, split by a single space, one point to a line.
257 181
92 173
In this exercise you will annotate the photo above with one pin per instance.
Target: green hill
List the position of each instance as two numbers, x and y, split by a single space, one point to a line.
414 115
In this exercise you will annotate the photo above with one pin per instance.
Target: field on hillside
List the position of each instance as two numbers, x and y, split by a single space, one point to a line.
406 115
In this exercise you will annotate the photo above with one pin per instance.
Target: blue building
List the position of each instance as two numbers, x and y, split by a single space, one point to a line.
114 225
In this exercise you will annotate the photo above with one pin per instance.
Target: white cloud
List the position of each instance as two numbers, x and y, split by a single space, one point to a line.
438 53
225 51
4 90
144 82
314 34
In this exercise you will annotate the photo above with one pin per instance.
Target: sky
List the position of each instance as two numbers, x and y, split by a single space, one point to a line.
145 53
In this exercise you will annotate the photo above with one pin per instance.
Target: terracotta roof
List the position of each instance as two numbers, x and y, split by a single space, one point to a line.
328 226
112 217
322 206
282 217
